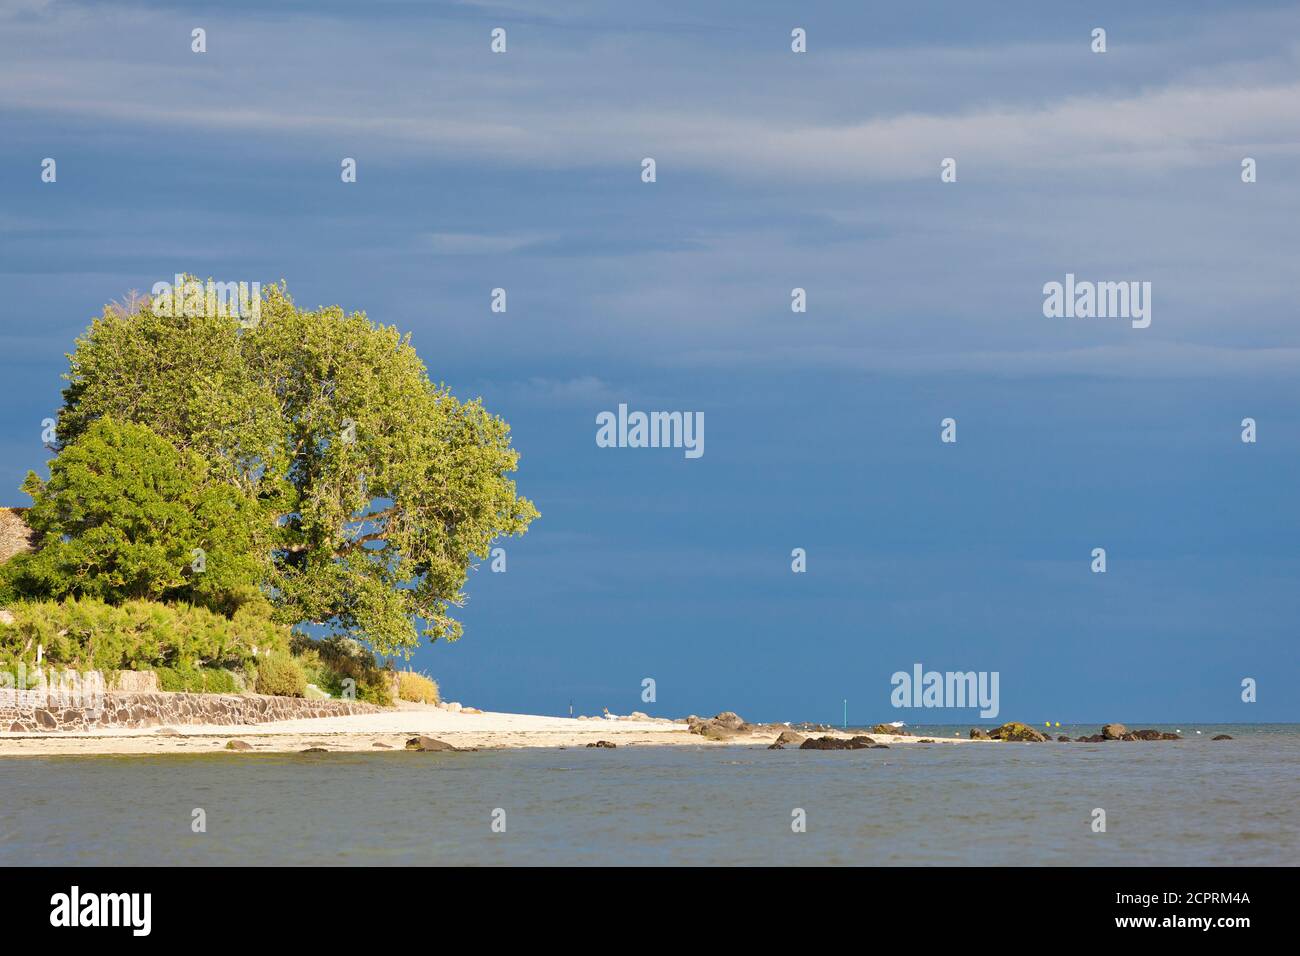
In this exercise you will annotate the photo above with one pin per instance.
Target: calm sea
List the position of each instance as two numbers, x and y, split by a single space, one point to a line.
1190 802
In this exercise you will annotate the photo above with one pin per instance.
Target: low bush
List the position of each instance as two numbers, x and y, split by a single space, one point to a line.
417 687
198 680
281 676
88 634
332 661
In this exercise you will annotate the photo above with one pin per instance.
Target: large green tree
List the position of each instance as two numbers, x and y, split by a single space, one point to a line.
379 487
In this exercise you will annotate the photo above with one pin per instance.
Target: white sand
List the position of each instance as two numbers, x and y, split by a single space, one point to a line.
360 732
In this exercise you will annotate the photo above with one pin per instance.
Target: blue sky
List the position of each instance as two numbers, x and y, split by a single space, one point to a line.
775 170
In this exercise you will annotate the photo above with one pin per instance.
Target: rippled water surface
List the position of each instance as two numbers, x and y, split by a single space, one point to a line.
1188 802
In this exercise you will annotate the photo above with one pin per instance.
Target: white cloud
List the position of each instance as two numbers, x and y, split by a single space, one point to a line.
718 113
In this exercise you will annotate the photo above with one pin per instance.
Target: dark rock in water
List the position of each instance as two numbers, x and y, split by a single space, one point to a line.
1221 737
1063 739
790 737
926 740
978 734
381 744
1151 735
777 746
837 743
1094 739
1016 731
238 745
886 729
429 745
314 750
608 744
1114 731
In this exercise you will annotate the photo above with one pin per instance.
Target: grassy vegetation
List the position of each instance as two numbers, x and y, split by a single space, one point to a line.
417 687
196 650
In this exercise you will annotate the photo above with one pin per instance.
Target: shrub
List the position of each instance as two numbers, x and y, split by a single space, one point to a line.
121 518
198 680
417 687
335 659
280 676
88 634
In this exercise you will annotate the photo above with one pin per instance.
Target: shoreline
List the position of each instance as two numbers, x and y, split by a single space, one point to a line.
359 733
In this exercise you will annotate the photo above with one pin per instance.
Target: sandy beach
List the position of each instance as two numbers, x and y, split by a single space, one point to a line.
366 732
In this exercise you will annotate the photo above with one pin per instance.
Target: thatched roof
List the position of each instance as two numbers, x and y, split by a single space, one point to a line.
15 536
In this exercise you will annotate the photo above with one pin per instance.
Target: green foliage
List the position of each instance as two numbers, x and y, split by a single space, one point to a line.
378 488
198 680
89 634
330 662
121 518
417 687
280 675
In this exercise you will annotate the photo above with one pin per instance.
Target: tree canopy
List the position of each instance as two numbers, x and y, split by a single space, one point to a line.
373 489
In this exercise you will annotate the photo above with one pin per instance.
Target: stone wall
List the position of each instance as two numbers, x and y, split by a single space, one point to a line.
15 536
42 711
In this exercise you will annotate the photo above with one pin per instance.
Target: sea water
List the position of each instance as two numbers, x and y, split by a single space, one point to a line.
1189 802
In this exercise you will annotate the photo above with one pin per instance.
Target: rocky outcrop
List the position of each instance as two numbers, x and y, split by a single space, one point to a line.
1016 731
859 742
50 710
729 719
978 734
1120 732
238 745
424 744
886 729
1150 735
607 744
1221 737
790 737
724 726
